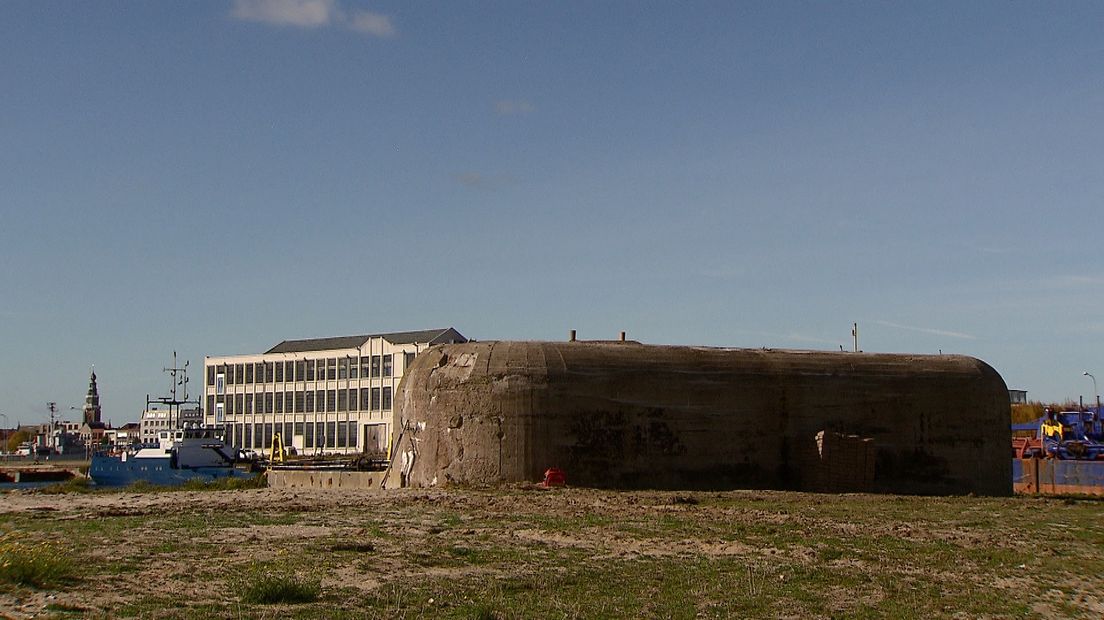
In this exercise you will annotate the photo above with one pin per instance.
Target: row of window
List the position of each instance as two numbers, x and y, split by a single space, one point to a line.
300 370
309 401
157 423
315 434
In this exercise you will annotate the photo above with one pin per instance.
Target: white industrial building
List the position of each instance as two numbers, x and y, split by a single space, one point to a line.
157 419
322 395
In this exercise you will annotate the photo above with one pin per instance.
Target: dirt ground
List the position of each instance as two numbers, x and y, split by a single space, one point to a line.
521 552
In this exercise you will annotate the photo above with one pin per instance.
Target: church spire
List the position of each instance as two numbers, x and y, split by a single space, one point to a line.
92 401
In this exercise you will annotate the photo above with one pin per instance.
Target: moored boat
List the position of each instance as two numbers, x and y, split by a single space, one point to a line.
183 454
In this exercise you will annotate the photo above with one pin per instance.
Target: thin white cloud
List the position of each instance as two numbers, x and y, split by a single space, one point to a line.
477 180
792 337
927 330
797 337
1073 282
373 24
301 13
514 107
312 14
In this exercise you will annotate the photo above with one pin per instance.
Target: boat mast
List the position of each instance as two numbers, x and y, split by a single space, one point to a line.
178 378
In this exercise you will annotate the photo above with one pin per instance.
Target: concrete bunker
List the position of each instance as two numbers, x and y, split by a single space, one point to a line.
627 415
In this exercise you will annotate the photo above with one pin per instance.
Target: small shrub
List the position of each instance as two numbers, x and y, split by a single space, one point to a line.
72 485
38 565
485 611
266 587
258 481
143 486
354 547
65 608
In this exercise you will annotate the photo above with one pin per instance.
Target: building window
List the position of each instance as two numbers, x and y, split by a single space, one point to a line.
387 399
343 368
220 384
342 435
210 405
300 403
375 399
364 406
375 366
279 372
239 403
308 402
342 400
308 436
353 367
331 368
248 404
320 401
247 438
300 370
268 402
239 374
268 372
230 404
310 370
365 363
330 432
210 375
249 373
387 365
331 400
220 413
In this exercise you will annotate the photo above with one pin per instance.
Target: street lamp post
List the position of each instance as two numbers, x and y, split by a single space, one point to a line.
1095 391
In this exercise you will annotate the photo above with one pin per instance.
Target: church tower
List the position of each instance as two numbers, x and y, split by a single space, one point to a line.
92 402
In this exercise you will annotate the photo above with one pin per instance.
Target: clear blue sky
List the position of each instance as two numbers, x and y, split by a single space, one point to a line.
214 177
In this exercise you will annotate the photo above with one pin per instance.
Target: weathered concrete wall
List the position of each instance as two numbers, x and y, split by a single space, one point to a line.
627 415
284 479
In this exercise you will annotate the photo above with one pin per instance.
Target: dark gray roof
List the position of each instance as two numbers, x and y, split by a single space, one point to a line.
319 344
430 336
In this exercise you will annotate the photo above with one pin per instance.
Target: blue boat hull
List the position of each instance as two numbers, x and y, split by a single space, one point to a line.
111 471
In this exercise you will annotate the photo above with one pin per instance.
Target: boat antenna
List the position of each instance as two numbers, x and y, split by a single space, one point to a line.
178 376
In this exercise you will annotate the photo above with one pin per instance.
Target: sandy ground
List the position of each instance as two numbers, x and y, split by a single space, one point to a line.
264 524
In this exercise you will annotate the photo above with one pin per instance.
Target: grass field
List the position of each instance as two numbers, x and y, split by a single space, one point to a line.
570 553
